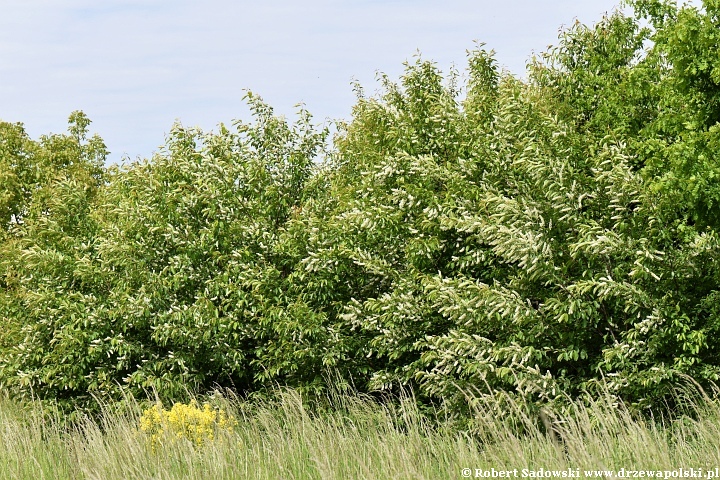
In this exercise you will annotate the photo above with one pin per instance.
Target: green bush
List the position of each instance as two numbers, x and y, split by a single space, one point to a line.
175 283
506 251
539 238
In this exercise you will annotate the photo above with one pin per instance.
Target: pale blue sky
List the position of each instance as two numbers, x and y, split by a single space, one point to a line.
135 66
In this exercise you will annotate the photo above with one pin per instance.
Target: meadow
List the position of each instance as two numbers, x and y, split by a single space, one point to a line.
361 438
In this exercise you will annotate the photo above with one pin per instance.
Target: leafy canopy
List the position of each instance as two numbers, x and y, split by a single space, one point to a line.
540 238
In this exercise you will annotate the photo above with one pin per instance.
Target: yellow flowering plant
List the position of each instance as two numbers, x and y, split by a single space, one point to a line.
190 421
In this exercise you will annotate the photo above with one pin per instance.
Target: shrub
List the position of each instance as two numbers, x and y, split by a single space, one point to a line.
525 237
198 425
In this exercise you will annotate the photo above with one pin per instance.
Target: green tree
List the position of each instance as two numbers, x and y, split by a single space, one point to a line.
487 244
539 238
176 283
48 189
656 89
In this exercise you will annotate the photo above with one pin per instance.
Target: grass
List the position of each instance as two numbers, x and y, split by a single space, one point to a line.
357 439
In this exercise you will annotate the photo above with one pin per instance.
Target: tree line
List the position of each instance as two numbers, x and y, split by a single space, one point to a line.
482 233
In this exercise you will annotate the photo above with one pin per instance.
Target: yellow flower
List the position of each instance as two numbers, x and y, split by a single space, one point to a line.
185 421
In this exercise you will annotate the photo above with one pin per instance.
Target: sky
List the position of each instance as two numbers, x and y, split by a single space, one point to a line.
137 66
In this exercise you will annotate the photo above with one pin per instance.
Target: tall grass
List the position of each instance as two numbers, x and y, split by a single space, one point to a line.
357 439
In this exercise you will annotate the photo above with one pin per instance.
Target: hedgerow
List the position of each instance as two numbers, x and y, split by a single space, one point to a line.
541 237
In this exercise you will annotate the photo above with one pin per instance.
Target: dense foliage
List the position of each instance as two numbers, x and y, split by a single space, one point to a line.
537 237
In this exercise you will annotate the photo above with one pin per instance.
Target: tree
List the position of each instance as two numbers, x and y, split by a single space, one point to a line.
487 244
656 89
173 281
537 238
48 189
